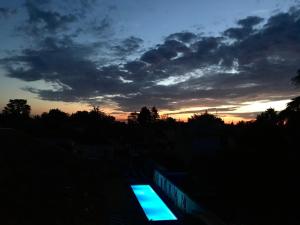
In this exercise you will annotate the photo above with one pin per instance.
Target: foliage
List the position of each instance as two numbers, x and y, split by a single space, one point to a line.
294 105
17 108
296 79
154 113
269 117
55 115
290 116
205 119
145 116
133 118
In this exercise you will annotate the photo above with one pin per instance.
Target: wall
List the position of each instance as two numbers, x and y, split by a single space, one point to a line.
179 198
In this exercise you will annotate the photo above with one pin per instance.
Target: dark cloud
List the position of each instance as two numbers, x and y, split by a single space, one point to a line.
7 12
238 33
185 37
39 2
47 62
128 46
153 56
265 59
41 20
207 45
87 3
250 21
184 71
246 28
135 66
101 27
68 65
164 52
112 7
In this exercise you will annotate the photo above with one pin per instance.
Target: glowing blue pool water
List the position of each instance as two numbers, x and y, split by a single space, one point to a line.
154 208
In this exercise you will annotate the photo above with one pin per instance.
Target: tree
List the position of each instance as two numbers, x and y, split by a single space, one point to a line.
206 119
294 105
296 79
97 115
17 108
132 118
145 116
80 116
269 117
154 113
55 116
169 121
291 115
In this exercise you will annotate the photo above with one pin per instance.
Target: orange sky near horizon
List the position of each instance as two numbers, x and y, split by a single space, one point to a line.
39 106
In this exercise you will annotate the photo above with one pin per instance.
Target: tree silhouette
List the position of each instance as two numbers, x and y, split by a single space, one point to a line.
97 115
170 120
55 115
291 115
154 113
269 117
145 116
17 108
132 118
296 79
80 116
205 119
294 105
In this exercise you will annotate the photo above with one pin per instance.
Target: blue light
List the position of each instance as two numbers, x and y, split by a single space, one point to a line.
154 208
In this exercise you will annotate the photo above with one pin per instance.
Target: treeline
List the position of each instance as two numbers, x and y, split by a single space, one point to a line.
17 114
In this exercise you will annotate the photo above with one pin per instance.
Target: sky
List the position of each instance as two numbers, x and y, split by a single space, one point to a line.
233 58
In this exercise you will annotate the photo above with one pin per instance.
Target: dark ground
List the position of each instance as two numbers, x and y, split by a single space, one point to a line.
43 183
46 184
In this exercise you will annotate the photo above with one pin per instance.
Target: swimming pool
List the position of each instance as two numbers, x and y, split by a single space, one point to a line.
154 208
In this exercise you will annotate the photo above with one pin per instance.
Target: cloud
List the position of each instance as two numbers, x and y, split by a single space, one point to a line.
128 46
164 52
87 3
245 29
7 12
102 26
58 59
250 21
40 20
185 37
244 63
